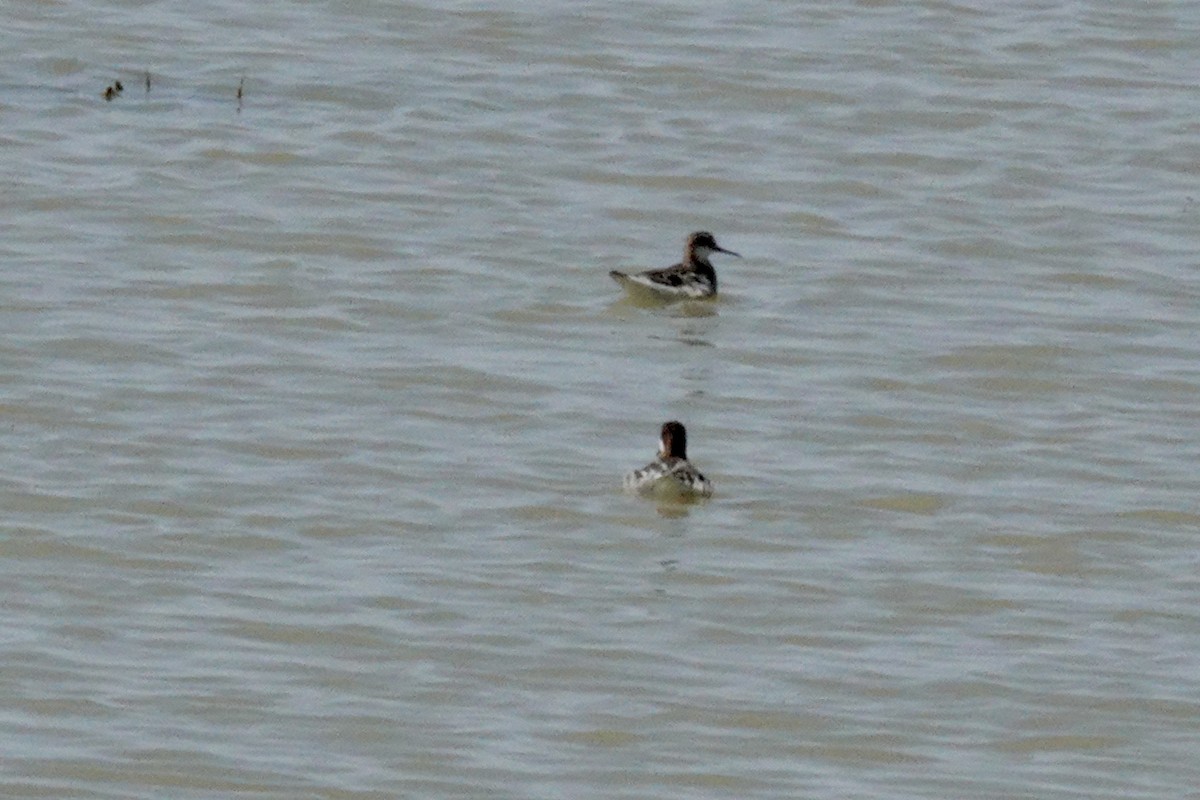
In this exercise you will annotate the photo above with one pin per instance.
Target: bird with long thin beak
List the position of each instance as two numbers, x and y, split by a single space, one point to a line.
693 278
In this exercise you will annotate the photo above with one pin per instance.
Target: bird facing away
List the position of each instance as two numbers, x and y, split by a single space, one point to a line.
693 278
670 472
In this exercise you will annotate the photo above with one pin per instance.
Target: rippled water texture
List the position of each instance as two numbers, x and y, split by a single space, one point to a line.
315 410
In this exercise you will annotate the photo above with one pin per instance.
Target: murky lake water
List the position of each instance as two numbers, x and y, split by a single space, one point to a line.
315 412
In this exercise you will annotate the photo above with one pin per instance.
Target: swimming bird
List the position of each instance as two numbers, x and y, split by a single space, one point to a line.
693 278
670 471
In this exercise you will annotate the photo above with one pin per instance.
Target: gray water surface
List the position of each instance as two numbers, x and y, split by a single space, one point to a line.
315 411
